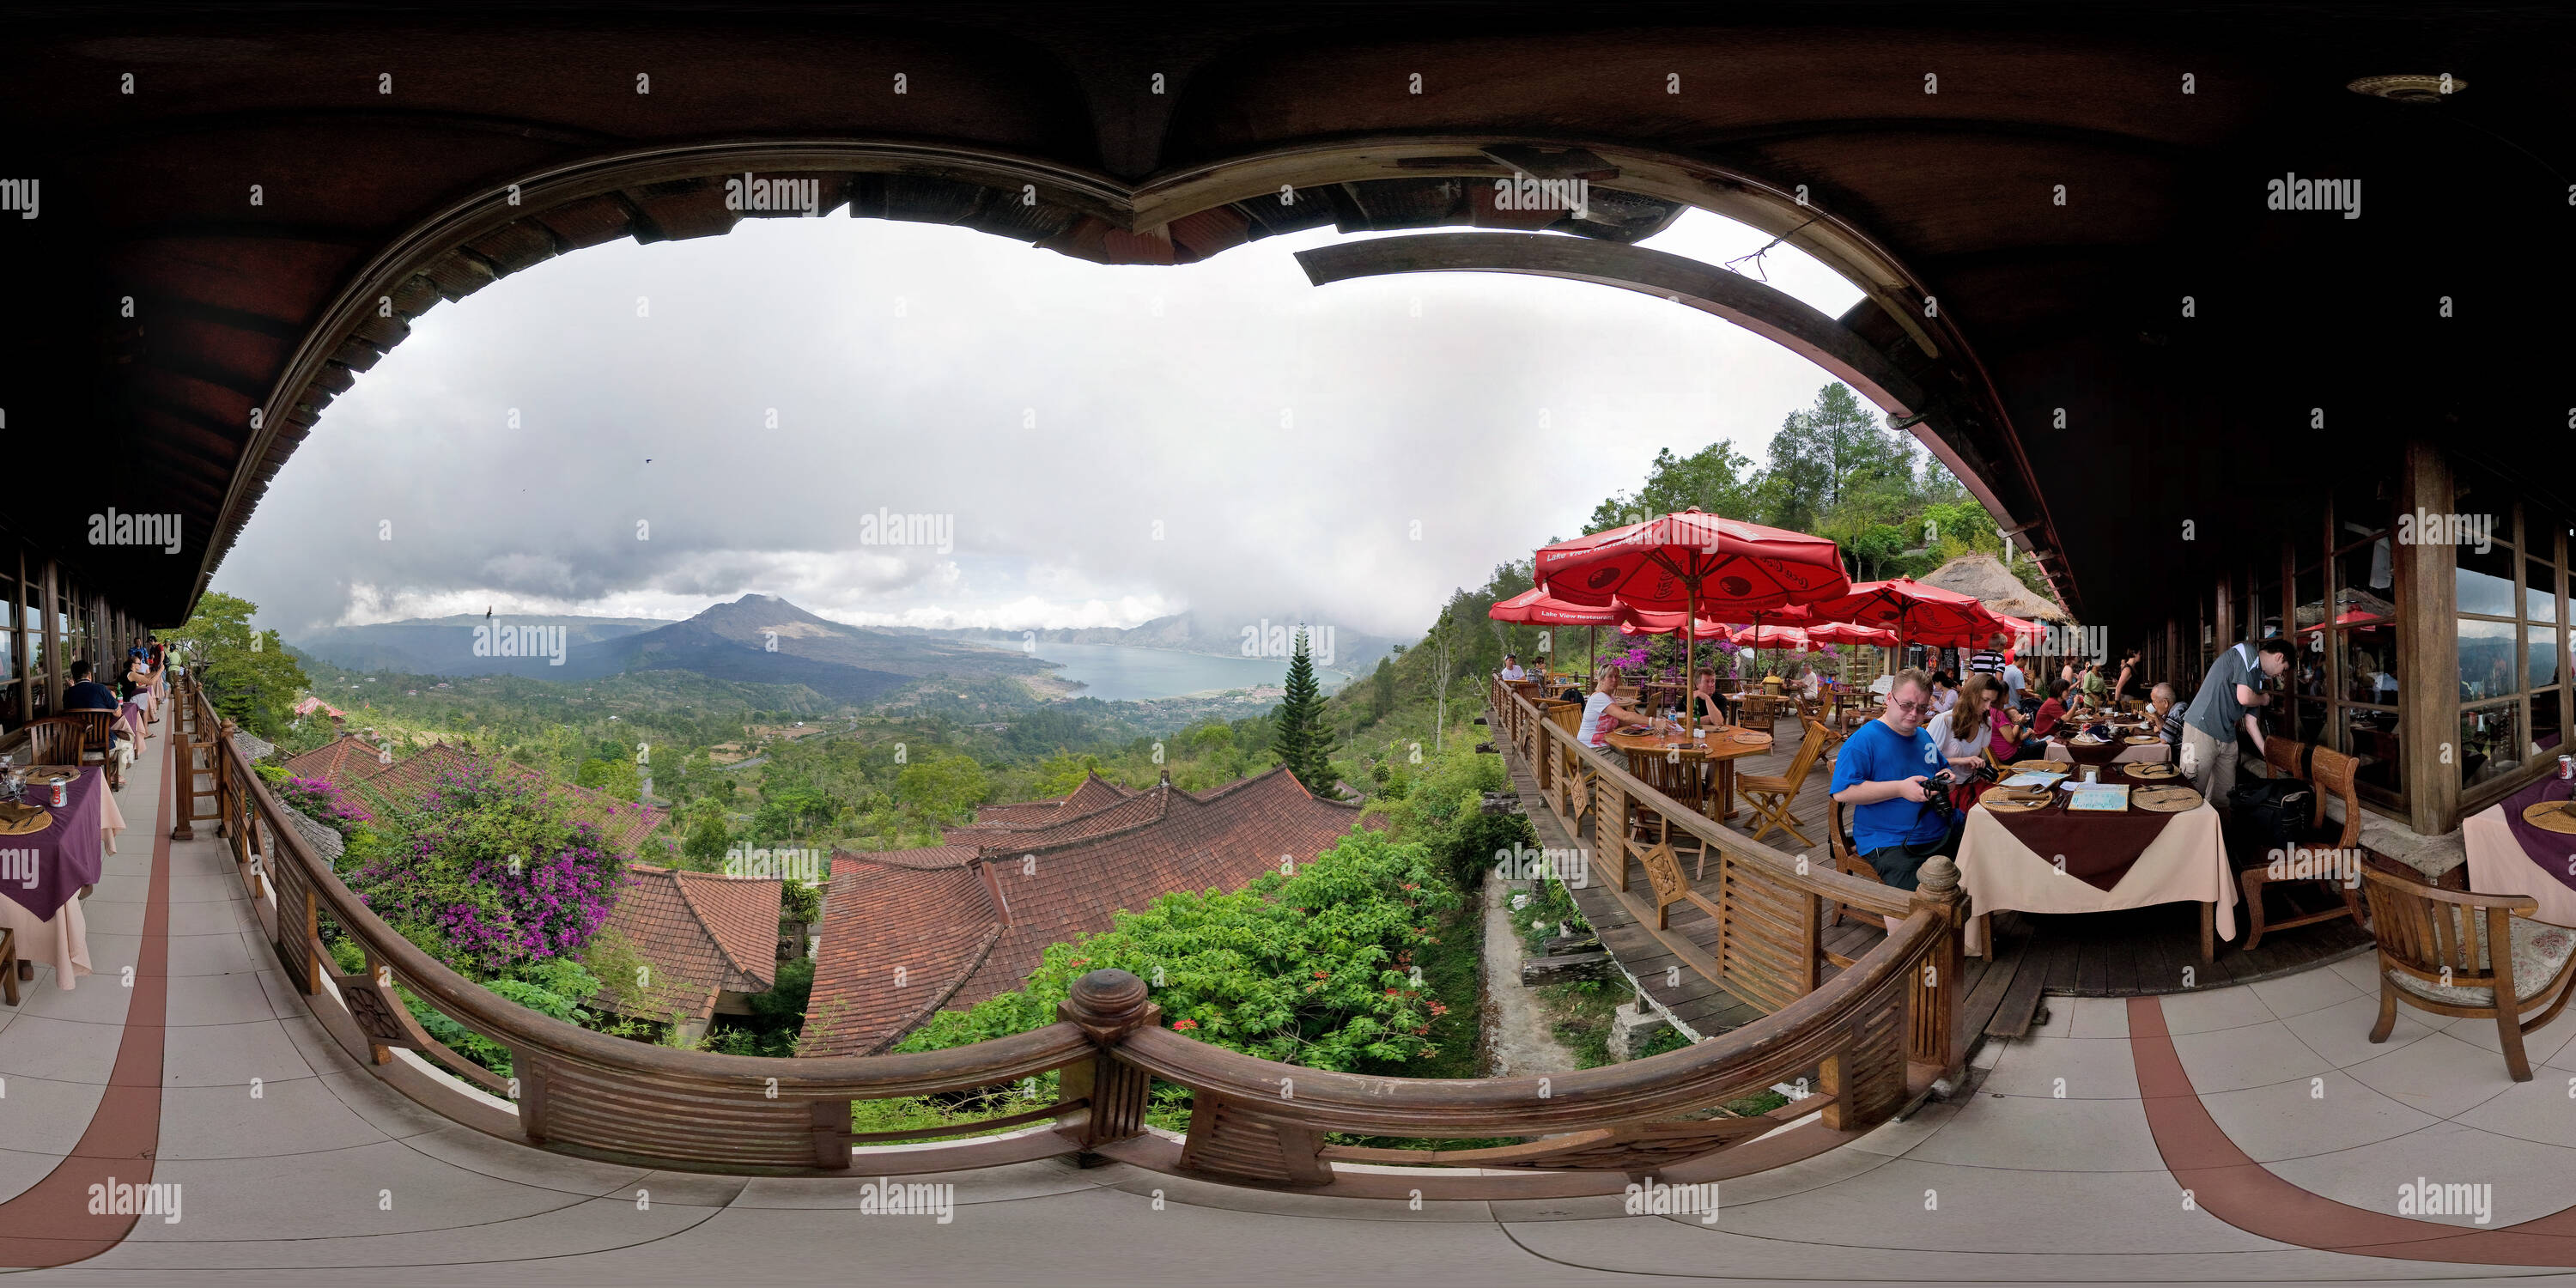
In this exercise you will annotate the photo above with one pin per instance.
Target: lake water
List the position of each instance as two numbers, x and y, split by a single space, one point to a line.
1118 673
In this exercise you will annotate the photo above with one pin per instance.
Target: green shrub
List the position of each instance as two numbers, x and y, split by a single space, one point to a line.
1301 969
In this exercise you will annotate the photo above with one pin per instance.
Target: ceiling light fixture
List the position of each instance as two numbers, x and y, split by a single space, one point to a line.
2409 89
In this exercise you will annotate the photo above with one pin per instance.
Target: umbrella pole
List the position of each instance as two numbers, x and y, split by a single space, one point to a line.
1690 655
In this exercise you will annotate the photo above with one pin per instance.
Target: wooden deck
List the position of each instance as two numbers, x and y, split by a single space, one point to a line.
2141 952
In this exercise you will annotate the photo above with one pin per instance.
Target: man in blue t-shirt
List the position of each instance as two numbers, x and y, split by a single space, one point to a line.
1881 773
86 694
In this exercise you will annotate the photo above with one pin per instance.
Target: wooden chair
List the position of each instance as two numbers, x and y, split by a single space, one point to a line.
2330 771
2434 956
1847 859
96 724
56 740
1772 795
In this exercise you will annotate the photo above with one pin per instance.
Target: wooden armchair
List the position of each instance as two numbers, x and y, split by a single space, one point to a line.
1772 795
2330 771
96 725
2434 955
1847 859
1758 712
56 740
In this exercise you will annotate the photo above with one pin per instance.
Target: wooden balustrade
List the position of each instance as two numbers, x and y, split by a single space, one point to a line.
1868 1037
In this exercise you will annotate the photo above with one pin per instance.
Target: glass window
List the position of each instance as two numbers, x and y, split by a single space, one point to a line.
2540 591
2540 649
2371 737
2490 742
2486 661
2365 582
2267 611
2548 734
2311 592
2486 581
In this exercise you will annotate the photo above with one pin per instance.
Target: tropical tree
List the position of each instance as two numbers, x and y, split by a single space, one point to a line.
247 673
1303 742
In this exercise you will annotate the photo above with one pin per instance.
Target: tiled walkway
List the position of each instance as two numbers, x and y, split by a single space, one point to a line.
2055 1169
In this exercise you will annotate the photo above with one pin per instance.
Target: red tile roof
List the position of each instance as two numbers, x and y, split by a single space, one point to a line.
897 941
624 825
701 933
1094 792
943 926
339 762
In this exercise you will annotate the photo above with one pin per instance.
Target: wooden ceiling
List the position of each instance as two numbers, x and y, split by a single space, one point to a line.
1929 148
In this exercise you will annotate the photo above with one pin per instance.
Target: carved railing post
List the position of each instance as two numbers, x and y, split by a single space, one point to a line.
1933 988
1107 1005
183 758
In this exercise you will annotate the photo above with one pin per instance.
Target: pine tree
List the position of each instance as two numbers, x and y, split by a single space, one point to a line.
1302 739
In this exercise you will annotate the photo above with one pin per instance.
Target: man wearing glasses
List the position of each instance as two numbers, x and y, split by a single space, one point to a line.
1881 771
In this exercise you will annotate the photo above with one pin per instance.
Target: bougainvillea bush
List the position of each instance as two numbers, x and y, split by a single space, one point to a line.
492 873
1312 969
324 804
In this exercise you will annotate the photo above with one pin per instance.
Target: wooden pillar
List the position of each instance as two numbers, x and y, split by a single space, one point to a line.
2226 617
53 645
2428 685
1933 999
26 661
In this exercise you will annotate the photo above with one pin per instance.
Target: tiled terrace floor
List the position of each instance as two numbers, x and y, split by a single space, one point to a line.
2056 1169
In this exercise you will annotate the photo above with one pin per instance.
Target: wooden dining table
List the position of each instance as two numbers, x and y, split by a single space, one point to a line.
1705 768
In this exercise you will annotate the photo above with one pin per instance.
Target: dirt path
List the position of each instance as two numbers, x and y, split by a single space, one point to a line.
1518 1036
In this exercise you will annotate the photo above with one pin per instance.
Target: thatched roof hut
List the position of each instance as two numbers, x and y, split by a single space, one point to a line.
1985 577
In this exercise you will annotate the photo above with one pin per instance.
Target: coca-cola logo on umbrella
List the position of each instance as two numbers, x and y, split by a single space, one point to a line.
1601 579
1735 587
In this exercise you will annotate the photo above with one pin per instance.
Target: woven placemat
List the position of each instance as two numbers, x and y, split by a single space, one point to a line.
2154 771
1752 739
2552 816
2002 804
23 820
2141 740
2043 765
2165 800
44 773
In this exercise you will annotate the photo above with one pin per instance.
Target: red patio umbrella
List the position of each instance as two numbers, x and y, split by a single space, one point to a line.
1779 637
1706 565
1536 607
1917 613
1847 633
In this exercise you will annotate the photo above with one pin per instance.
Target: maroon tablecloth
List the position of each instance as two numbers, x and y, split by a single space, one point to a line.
39 871
2547 849
2099 847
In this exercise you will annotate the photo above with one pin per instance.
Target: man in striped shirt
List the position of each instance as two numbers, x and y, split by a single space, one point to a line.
1988 660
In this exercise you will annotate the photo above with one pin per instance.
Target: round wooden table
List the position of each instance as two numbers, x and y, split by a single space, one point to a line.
1668 761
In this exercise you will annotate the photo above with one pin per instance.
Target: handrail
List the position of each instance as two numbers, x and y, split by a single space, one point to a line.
582 1092
955 1069
1773 1047
1819 878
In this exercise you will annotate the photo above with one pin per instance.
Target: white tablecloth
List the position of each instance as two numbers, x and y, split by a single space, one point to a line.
2499 865
2186 861
62 943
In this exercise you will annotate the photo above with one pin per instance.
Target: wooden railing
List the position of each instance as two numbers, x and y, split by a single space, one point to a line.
1253 1121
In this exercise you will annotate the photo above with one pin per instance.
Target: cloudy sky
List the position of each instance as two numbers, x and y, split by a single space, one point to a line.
645 430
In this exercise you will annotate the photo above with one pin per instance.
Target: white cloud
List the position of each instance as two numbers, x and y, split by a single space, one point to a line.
1307 452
